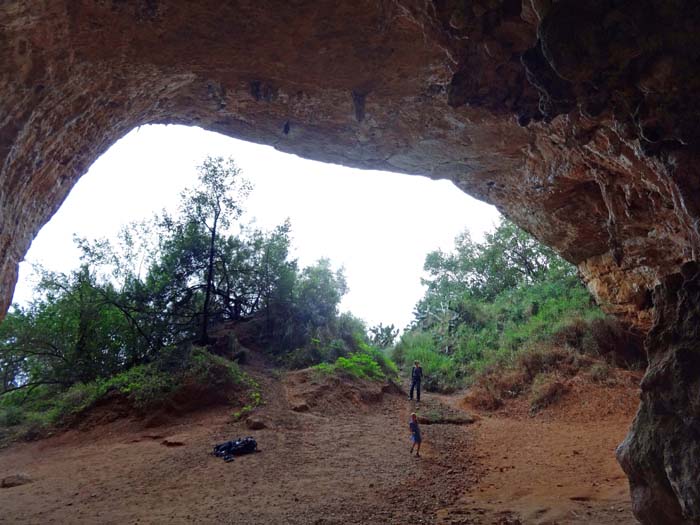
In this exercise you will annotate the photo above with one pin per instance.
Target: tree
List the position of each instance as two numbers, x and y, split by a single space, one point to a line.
459 283
507 258
211 207
167 281
70 334
383 336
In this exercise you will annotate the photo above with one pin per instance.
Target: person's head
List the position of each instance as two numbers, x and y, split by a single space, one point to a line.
414 417
417 363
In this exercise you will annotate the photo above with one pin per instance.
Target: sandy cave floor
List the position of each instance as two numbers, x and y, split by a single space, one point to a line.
334 465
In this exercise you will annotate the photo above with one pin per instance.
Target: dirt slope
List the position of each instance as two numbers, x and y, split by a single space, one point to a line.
327 465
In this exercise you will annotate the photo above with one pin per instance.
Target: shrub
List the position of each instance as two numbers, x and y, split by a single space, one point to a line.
601 372
387 366
545 391
440 372
370 363
145 386
11 416
359 365
531 370
483 397
495 385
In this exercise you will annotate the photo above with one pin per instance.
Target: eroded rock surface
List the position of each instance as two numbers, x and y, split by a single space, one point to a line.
578 120
661 454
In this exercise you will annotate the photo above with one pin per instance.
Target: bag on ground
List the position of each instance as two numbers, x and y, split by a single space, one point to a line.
236 447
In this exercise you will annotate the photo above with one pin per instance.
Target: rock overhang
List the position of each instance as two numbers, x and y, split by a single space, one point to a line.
578 120
562 114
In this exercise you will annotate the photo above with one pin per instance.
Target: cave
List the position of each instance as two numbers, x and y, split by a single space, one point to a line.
577 120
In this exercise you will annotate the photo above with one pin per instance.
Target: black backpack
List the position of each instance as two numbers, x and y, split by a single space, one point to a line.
236 447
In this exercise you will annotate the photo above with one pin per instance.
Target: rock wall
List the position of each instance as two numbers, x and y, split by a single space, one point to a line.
578 120
661 453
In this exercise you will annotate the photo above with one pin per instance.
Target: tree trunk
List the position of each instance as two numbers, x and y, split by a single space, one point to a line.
204 330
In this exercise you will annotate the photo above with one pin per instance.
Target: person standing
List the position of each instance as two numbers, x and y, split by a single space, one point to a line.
416 438
416 377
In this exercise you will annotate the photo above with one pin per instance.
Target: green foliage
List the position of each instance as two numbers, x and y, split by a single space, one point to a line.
338 336
487 301
383 336
255 399
369 363
145 386
440 371
168 281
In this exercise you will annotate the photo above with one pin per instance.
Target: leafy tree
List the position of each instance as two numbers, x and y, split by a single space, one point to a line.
169 280
305 307
507 258
71 334
383 336
210 208
486 300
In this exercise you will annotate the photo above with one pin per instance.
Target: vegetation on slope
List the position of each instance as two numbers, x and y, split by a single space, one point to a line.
368 363
124 320
489 304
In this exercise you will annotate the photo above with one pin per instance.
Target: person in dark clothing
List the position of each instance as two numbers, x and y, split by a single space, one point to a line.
416 438
416 376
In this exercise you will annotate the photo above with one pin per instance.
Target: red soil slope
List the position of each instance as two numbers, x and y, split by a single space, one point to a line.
334 463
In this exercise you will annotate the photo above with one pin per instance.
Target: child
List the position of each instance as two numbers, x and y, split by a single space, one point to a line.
415 434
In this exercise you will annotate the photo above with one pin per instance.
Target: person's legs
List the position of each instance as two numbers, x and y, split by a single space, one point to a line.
410 394
418 450
417 391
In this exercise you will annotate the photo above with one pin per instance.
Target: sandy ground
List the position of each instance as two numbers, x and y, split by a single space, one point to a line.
344 461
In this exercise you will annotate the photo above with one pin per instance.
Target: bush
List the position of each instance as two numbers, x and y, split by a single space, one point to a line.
603 337
546 390
537 360
495 385
602 372
531 370
387 366
485 398
370 363
440 372
145 386
11 416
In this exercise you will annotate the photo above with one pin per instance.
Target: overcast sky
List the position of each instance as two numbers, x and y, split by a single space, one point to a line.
378 226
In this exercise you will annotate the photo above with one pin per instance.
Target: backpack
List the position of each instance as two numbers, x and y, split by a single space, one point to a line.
236 447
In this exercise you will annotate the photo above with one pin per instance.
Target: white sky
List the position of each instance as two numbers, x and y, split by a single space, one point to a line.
379 226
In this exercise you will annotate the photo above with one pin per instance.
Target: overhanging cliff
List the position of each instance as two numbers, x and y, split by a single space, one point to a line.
578 120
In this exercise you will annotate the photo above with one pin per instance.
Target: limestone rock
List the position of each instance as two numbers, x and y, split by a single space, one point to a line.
15 481
255 423
586 138
661 454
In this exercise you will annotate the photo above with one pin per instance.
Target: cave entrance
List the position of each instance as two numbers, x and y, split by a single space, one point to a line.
379 226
